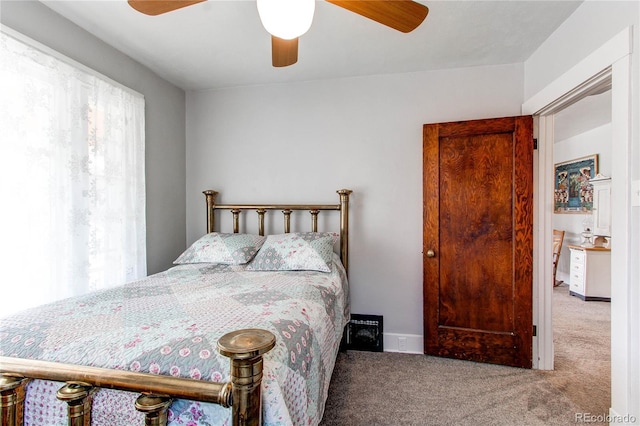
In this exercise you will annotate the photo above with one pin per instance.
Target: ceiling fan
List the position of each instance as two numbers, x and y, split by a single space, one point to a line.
401 15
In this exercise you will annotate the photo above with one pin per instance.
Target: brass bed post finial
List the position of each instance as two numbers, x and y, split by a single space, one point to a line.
154 408
344 227
245 349
78 396
210 196
12 392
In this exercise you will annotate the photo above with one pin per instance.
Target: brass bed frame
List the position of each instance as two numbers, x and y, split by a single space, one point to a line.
244 348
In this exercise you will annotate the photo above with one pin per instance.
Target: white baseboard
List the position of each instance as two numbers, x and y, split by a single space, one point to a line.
406 343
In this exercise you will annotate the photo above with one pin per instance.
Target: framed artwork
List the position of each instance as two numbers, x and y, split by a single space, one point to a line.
573 193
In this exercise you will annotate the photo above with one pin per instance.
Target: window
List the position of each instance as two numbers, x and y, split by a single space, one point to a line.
71 177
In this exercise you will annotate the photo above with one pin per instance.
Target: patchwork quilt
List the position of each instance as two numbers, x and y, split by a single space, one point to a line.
169 324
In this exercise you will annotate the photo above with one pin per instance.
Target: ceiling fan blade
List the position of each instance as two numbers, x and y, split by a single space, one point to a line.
401 15
158 7
284 52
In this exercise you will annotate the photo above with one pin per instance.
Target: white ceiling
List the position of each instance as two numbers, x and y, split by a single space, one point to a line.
222 43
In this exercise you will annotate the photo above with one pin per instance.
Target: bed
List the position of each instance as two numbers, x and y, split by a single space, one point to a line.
243 330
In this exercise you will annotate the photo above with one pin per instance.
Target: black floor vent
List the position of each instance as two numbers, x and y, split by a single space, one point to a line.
365 333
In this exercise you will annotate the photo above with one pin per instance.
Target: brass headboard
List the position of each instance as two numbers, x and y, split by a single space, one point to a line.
287 209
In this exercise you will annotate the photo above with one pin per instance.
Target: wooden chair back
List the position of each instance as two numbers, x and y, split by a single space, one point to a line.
558 238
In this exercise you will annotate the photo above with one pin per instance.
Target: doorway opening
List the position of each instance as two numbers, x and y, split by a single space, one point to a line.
609 63
581 312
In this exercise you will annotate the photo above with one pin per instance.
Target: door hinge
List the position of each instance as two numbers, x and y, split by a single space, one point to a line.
535 143
535 330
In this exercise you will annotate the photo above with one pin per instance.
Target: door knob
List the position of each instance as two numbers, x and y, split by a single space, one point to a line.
431 253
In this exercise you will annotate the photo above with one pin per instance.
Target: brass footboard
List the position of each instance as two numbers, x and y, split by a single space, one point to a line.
244 348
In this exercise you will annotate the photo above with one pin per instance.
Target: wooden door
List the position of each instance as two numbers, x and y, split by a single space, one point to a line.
478 240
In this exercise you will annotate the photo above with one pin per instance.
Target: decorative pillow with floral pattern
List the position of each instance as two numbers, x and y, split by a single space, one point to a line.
228 249
299 251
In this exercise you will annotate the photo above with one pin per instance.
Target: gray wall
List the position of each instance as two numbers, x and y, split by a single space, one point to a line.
165 119
300 142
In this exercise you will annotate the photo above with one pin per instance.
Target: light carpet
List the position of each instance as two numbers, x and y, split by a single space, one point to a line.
370 388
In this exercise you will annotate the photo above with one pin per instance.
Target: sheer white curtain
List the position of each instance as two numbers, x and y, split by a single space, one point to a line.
72 184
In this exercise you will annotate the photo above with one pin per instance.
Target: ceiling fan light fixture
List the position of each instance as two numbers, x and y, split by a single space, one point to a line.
286 19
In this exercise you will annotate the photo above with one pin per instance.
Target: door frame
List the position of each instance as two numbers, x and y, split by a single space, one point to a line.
612 62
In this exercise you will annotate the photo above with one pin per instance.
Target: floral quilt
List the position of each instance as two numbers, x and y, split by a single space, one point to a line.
169 324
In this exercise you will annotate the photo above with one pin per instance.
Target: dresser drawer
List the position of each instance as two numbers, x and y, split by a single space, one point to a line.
577 268
576 277
577 257
576 282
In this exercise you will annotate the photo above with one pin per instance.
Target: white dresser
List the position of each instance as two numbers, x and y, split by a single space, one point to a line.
590 273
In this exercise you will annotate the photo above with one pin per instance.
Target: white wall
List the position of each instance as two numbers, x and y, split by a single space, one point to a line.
165 119
301 142
589 27
596 141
